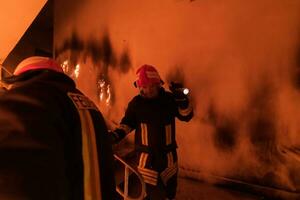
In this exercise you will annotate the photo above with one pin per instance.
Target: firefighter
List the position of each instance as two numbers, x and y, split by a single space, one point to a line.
53 139
152 115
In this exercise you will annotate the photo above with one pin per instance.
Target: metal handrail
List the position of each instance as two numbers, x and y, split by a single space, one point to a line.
126 176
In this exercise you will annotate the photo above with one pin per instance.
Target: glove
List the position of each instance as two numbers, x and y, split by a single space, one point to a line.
116 135
180 94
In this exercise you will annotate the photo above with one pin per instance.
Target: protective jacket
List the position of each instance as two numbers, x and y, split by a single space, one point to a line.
53 141
154 123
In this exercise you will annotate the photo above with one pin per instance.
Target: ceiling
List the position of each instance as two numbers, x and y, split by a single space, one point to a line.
15 18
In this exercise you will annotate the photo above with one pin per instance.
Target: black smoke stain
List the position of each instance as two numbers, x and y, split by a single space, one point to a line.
176 74
100 51
125 62
225 135
94 51
109 57
102 55
74 43
262 122
226 130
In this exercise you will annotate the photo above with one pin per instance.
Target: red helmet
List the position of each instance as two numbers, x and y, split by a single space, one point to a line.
37 62
146 75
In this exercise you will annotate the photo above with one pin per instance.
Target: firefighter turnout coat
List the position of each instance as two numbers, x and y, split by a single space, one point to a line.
53 142
154 123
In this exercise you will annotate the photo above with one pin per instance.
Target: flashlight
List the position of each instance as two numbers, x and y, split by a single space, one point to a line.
178 89
185 91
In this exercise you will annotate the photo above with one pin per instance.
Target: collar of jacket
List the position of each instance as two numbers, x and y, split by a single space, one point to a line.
45 75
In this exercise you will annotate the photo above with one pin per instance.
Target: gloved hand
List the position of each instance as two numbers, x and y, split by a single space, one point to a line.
116 135
180 94
113 136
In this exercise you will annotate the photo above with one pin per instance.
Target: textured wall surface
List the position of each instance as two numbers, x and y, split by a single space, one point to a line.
240 59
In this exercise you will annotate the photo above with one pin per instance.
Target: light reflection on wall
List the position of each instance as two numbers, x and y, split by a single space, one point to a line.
71 71
104 91
103 88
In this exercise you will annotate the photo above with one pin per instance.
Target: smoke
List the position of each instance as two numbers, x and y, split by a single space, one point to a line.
246 100
240 60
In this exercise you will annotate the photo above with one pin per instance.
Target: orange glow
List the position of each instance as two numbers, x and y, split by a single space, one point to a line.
237 57
104 92
76 71
15 17
65 66
108 95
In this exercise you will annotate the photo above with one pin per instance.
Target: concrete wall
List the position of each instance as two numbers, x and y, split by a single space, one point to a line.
239 58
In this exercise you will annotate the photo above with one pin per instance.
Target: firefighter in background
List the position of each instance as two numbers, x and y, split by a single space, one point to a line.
152 115
53 139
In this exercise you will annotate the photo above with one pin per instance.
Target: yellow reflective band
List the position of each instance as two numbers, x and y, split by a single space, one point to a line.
168 173
144 134
149 180
92 187
168 129
146 175
165 172
185 112
153 175
170 159
143 160
149 172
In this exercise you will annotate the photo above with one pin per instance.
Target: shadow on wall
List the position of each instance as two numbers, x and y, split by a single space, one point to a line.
103 57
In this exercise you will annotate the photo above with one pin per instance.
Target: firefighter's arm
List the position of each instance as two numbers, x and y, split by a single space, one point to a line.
184 108
119 133
128 123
